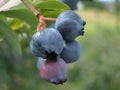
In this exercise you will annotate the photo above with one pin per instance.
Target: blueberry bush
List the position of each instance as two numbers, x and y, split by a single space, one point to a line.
54 44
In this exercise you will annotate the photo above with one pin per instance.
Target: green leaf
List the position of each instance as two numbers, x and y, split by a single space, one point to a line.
22 14
10 37
51 8
16 24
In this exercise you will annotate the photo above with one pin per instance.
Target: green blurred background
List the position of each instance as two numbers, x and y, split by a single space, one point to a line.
98 67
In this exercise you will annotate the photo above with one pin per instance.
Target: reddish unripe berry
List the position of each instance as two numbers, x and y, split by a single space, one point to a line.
54 71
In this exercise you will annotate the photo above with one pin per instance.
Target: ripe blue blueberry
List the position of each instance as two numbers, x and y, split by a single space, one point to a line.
69 29
70 25
71 52
47 43
70 14
71 3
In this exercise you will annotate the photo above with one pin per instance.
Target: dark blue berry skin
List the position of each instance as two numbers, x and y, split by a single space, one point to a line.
71 3
70 25
47 43
71 52
69 29
70 15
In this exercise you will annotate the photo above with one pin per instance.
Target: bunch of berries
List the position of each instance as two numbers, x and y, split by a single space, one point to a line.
55 46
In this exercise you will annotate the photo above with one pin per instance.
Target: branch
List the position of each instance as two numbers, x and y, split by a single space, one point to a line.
41 18
32 8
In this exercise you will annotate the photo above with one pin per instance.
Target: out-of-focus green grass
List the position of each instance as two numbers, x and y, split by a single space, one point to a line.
100 58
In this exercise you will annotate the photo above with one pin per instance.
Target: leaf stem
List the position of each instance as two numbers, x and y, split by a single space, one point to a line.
31 7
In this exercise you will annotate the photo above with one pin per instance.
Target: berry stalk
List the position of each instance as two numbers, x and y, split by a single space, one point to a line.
41 18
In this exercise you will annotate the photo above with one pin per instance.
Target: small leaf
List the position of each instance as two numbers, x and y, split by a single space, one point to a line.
16 24
51 8
22 14
10 37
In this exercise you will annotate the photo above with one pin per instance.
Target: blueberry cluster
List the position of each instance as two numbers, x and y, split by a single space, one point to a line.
56 45
70 25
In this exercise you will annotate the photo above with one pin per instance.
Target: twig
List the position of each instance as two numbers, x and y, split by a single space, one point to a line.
32 8
41 18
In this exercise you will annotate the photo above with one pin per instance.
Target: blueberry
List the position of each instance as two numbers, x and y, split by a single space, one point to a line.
47 42
40 61
71 52
70 14
70 25
69 29
71 3
54 71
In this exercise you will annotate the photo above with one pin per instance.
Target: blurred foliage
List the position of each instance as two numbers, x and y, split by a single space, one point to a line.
97 69
97 5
